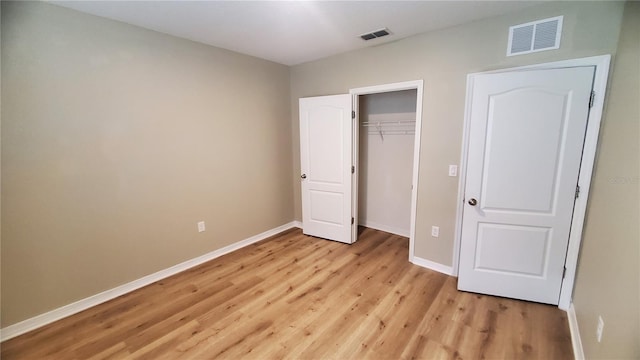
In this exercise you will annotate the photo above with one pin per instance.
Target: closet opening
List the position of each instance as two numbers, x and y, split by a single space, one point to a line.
387 123
386 157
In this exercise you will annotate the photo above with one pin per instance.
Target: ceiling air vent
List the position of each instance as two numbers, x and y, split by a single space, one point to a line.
535 36
375 34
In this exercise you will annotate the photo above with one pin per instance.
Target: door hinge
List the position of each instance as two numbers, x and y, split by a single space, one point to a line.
592 99
352 220
577 191
353 169
353 114
564 272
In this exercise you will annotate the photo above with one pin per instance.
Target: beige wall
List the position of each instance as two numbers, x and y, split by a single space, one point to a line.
443 59
116 141
0 169
608 280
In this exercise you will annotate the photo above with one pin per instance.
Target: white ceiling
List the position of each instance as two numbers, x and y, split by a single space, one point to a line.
293 32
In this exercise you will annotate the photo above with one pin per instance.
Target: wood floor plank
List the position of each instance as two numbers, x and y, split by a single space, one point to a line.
300 297
293 296
396 318
117 351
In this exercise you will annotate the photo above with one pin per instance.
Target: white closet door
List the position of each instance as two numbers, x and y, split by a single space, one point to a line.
525 148
326 137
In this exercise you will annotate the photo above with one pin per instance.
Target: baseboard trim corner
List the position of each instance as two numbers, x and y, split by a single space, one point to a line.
41 320
385 228
576 341
431 265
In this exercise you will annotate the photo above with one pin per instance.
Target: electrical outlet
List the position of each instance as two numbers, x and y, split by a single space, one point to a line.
600 328
435 231
201 226
453 170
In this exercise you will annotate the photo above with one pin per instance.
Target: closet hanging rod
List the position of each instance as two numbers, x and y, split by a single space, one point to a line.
388 122
389 126
393 132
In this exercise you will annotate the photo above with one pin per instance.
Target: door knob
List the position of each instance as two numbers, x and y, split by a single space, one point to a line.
303 176
473 202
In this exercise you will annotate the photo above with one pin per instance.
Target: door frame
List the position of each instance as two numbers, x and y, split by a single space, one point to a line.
377 89
601 64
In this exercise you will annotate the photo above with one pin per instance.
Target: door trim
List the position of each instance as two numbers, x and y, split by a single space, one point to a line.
601 64
399 86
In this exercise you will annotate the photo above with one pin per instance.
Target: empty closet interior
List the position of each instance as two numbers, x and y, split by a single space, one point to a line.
385 153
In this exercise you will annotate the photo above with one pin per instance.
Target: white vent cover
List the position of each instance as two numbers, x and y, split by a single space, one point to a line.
535 36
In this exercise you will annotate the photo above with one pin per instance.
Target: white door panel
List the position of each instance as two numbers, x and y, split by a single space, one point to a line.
525 146
514 122
494 240
326 207
325 134
325 159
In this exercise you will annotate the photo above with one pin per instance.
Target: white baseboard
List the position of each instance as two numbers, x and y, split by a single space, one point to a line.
385 228
297 224
74 308
576 342
448 270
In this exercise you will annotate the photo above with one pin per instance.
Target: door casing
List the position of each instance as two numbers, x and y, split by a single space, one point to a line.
601 64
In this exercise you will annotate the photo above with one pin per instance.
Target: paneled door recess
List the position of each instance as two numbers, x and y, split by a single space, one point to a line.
524 153
326 137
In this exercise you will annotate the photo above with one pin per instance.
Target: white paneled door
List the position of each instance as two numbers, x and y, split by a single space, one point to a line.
326 138
525 146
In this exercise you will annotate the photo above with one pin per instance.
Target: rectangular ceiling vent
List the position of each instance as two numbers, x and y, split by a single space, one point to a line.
535 36
375 34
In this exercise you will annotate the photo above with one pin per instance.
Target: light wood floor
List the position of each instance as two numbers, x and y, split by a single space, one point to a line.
298 297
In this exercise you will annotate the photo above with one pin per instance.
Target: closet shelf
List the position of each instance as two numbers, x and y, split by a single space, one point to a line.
390 127
393 132
388 123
